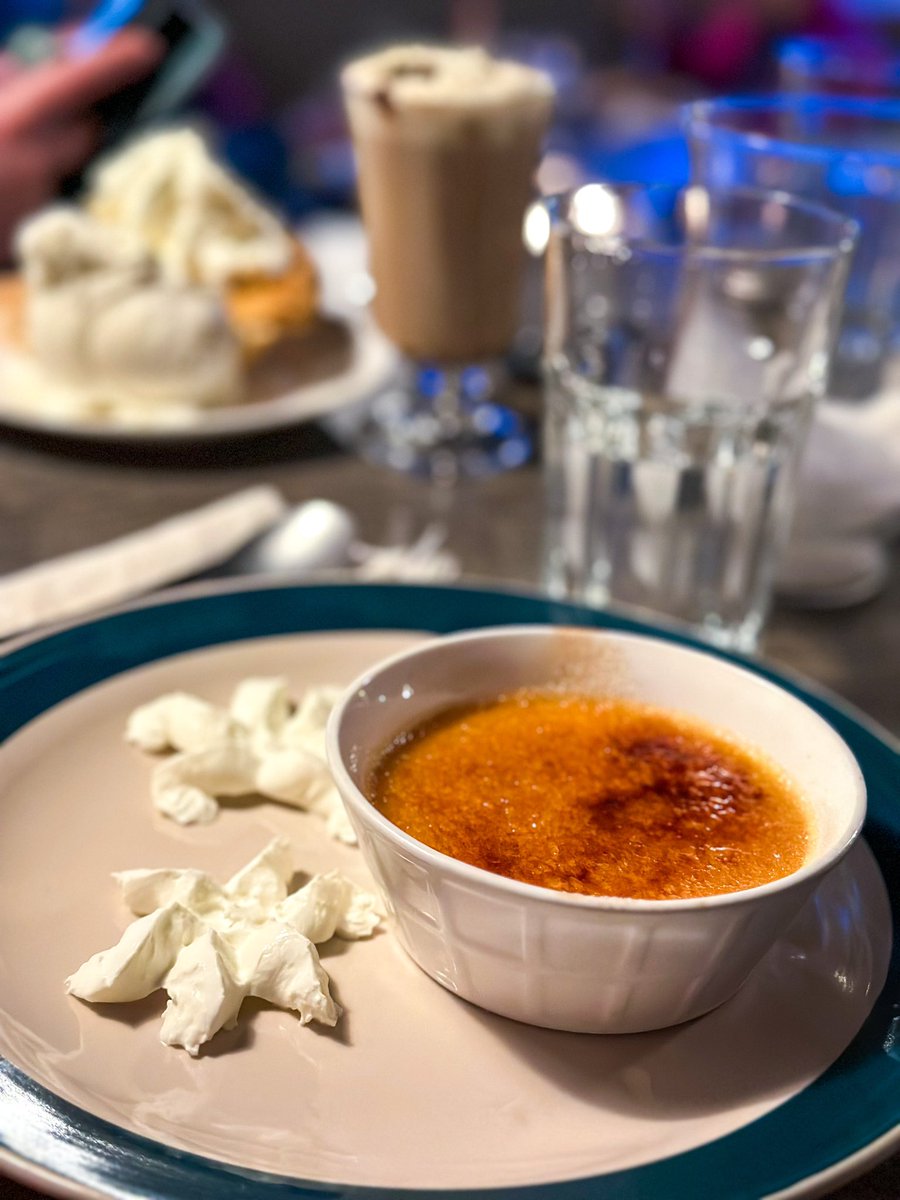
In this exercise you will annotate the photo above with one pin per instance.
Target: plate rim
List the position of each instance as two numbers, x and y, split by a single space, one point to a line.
625 1184
233 420
229 585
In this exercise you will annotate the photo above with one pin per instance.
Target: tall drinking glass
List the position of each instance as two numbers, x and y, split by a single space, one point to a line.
841 152
446 142
687 339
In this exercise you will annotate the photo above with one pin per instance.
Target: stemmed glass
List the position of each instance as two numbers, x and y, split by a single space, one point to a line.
445 177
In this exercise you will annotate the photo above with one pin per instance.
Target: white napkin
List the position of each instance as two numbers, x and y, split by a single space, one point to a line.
137 563
850 475
848 505
185 545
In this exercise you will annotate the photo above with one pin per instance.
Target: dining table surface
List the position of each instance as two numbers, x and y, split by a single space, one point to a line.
58 495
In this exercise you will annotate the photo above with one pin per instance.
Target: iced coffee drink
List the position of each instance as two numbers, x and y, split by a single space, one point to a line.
446 142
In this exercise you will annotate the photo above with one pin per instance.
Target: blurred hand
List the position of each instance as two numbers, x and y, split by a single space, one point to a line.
47 130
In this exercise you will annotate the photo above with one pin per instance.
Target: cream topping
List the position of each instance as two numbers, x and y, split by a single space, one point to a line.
421 76
261 744
200 222
210 945
102 322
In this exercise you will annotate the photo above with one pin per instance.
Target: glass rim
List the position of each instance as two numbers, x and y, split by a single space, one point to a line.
699 118
845 229
821 49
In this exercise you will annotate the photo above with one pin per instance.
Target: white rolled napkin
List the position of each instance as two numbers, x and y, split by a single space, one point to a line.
137 563
850 475
251 531
848 505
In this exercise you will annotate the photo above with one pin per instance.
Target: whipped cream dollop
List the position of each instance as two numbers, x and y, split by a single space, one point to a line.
105 326
210 945
458 81
262 743
201 224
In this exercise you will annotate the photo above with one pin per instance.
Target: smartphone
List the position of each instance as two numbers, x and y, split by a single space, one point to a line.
194 36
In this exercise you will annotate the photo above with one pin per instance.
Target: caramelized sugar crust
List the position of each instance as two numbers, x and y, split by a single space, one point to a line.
602 797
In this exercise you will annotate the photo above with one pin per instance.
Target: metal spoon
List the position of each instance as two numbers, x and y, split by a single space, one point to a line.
313 536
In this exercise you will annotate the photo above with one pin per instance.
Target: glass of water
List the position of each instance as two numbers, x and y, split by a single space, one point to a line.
687 339
840 151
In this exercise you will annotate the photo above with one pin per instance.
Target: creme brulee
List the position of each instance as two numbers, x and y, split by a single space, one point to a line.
603 797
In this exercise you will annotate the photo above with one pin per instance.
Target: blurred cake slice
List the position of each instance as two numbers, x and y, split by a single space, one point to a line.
12 309
103 327
204 227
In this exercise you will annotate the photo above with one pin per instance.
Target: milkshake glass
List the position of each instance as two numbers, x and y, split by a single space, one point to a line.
446 143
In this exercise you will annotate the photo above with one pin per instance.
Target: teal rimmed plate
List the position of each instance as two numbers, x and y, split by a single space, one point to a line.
787 1090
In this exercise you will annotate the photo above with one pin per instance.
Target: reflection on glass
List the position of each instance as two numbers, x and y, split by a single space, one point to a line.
841 152
848 65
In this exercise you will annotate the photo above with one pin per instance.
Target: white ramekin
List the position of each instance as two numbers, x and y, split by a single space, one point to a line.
565 961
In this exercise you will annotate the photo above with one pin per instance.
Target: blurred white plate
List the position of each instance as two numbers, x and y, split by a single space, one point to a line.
343 359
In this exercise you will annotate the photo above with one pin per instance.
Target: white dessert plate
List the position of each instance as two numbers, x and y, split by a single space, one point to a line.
792 1085
341 360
